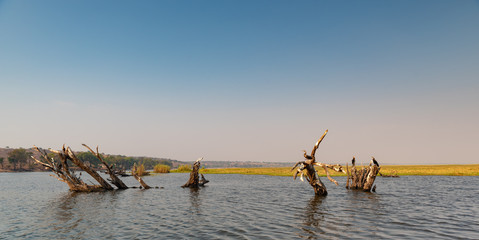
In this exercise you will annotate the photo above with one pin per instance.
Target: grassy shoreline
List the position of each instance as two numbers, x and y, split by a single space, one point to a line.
402 170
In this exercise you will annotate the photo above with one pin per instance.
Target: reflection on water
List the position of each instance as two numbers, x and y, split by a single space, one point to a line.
37 206
71 213
195 201
314 214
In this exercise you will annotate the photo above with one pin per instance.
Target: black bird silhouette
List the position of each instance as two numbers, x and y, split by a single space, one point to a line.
375 162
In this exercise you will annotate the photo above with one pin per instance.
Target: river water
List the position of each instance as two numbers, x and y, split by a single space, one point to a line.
37 206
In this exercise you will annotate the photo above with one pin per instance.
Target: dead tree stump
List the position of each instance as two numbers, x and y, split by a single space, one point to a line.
364 178
194 180
311 175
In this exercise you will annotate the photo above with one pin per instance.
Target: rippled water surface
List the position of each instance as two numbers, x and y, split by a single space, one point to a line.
35 205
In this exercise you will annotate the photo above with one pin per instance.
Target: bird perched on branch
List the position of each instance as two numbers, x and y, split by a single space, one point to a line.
310 159
306 155
375 162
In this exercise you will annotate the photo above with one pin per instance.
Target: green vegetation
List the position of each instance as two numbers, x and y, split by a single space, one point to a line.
161 168
19 160
140 171
183 168
448 170
123 162
18 157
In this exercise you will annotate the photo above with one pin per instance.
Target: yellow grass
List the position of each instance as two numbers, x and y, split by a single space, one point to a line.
140 171
182 169
159 168
449 170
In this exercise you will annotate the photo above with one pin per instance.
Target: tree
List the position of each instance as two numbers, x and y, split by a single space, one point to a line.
88 157
13 162
194 181
18 156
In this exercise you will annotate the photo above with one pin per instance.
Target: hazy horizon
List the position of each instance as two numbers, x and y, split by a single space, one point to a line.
244 80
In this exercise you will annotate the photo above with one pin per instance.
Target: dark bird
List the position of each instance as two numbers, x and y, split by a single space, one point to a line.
306 155
354 161
375 162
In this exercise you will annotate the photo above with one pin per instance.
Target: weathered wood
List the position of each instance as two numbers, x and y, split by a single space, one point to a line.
113 178
203 181
363 179
138 178
307 169
63 173
194 180
372 173
347 181
105 185
315 181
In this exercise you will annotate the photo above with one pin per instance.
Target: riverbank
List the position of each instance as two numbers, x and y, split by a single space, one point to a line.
401 170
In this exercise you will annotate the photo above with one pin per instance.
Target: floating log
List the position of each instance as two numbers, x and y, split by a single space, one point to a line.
194 180
363 178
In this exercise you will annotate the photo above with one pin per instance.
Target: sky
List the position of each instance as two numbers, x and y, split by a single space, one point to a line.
244 80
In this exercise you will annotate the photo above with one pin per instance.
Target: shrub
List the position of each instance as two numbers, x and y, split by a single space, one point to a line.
160 168
184 168
140 171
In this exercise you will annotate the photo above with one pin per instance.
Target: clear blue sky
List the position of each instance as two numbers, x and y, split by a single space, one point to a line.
244 80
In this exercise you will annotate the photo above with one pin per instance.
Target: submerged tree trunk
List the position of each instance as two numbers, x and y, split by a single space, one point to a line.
364 178
313 178
311 175
194 180
113 178
134 173
63 172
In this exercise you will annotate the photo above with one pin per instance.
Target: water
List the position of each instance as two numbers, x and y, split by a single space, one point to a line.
37 206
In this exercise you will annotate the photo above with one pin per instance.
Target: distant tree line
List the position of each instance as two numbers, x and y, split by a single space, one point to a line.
123 162
20 159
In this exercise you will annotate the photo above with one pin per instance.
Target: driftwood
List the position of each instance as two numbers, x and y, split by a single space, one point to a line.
138 178
306 169
357 179
194 181
63 172
113 178
363 178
